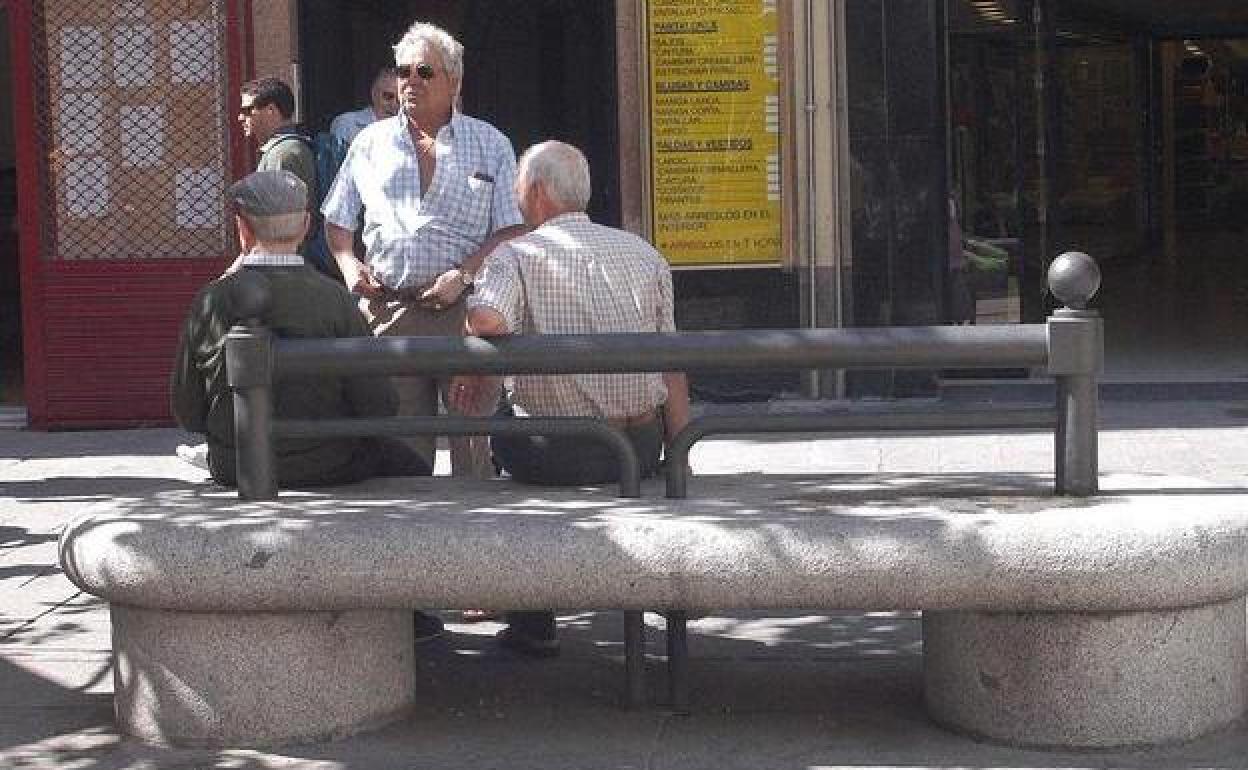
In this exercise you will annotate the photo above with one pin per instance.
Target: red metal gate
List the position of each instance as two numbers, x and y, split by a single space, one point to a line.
126 140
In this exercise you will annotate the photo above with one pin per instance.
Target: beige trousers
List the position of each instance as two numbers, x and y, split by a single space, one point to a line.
421 396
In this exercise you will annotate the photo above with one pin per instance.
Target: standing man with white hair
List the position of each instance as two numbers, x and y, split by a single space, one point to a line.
435 189
571 276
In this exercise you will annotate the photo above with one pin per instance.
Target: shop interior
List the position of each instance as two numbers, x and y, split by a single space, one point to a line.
1147 120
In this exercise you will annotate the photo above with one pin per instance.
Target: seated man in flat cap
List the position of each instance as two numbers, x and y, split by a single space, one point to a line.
271 213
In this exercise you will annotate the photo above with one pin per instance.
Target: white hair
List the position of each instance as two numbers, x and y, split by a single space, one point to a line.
562 171
433 36
279 228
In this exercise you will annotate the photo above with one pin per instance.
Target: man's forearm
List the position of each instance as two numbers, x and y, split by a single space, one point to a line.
341 243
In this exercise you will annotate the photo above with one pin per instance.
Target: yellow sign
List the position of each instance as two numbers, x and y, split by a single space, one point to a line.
715 131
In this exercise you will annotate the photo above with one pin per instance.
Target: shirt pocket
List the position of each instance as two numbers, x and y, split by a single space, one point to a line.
475 198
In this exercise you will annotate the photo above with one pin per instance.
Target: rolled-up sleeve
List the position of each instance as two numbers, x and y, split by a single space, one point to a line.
500 288
342 203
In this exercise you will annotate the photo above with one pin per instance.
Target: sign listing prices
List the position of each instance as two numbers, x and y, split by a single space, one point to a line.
715 131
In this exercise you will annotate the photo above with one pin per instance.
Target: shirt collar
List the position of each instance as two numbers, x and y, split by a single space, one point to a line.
567 218
457 119
278 135
273 260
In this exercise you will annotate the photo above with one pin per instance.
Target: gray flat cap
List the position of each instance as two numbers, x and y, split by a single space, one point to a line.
269 194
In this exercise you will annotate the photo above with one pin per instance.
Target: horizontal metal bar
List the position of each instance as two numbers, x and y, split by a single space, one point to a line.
1023 345
454 425
677 460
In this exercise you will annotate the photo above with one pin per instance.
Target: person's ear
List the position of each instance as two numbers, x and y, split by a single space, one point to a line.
246 236
542 201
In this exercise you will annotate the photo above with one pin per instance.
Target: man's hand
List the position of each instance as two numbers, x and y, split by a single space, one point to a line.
445 290
474 396
358 277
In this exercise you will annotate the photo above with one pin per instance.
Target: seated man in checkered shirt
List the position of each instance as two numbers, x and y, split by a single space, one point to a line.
571 276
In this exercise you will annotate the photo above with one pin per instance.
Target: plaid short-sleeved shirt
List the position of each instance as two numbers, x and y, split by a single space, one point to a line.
571 276
410 237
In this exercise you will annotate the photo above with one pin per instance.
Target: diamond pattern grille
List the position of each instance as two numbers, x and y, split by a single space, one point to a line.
132 117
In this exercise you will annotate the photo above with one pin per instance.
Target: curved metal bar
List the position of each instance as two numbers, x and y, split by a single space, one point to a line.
953 419
454 425
863 348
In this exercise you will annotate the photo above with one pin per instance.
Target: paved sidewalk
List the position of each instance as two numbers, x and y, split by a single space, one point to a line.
796 691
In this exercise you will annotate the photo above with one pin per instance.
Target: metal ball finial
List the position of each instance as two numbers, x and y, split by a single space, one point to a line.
1074 279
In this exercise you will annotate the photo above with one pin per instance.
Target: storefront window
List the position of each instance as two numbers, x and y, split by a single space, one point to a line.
1101 118
987 72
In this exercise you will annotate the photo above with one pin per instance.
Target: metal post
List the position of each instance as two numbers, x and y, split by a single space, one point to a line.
249 370
1076 357
1076 446
635 658
678 660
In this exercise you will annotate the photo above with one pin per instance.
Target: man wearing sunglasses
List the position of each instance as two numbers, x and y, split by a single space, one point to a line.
434 186
267 115
383 102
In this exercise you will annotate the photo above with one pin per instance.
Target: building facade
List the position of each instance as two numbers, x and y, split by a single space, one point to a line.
801 163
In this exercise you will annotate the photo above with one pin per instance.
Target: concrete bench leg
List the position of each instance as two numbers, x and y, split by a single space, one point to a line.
258 679
1087 680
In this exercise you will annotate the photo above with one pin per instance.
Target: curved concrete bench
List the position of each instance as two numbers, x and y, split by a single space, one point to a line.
1110 621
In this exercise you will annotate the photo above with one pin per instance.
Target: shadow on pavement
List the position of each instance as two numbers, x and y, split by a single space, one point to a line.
86 489
791 692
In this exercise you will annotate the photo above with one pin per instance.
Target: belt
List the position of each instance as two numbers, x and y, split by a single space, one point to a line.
645 418
412 294
407 294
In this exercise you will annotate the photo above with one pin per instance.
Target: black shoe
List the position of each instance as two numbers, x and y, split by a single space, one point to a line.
527 645
426 627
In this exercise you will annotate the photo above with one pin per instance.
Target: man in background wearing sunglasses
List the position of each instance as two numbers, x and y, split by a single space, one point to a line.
435 189
383 102
267 115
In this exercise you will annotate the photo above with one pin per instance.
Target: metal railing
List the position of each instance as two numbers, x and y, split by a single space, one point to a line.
1069 346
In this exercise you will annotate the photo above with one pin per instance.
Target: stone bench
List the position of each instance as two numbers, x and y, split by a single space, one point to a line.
1061 622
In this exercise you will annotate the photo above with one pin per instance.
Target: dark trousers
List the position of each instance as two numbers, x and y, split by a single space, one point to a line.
568 461
574 460
328 463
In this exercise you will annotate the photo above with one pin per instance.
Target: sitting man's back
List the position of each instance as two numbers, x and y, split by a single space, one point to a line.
572 276
271 216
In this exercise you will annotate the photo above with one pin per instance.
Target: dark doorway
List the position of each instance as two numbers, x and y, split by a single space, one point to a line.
536 69
11 362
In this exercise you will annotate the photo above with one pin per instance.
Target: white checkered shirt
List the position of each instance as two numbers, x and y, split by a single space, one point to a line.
410 239
571 276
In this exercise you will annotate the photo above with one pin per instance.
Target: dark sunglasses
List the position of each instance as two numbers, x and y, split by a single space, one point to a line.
423 71
247 109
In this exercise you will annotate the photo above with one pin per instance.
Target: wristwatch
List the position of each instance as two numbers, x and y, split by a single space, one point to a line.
467 277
